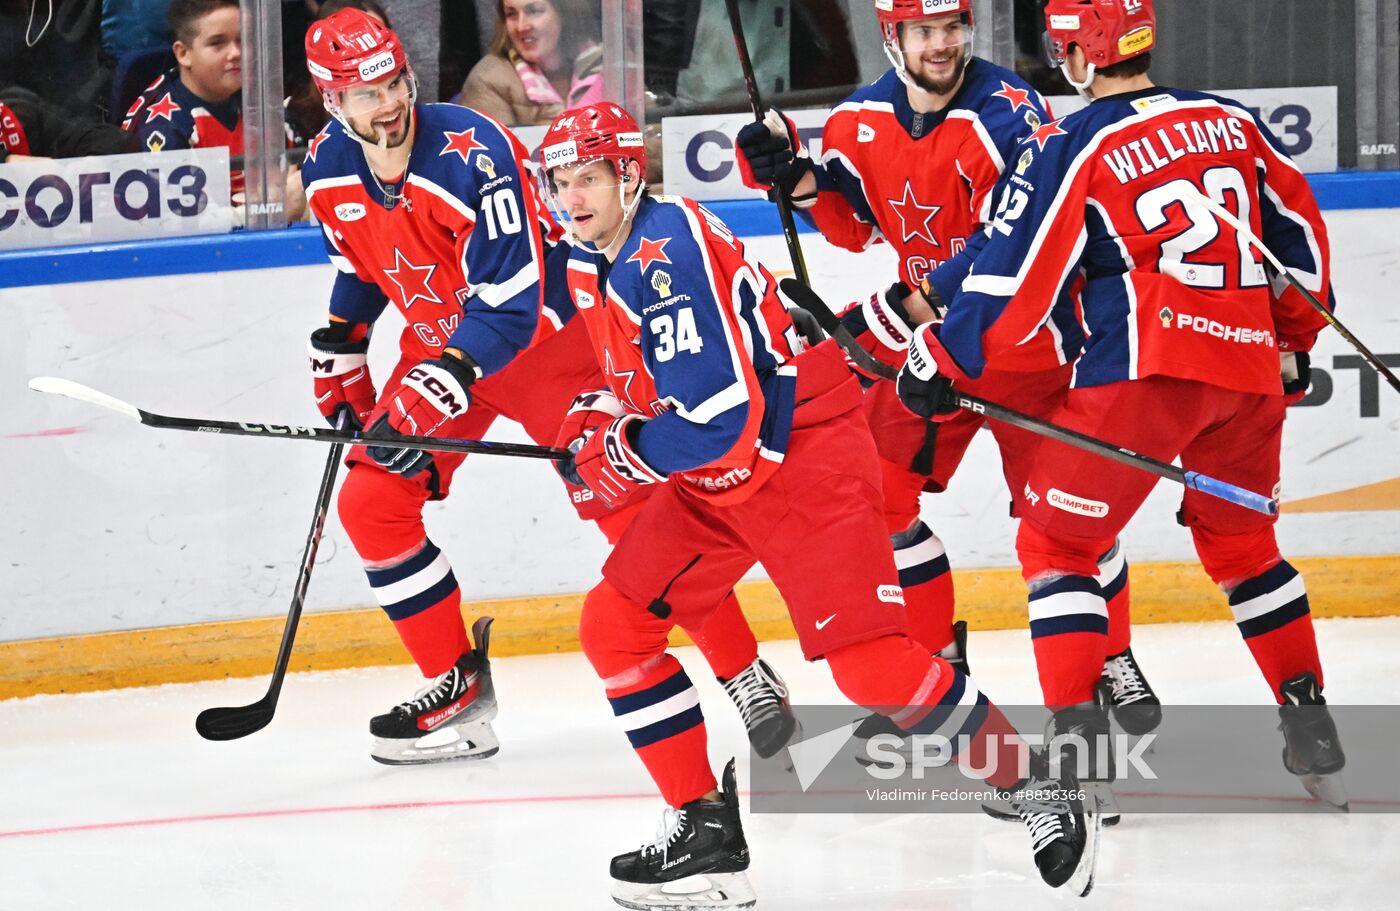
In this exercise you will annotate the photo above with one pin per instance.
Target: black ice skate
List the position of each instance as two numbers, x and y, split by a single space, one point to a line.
1136 707
762 699
1064 829
874 724
697 860
1311 748
1085 724
448 719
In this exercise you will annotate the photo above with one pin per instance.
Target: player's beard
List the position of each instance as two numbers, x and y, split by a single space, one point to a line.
942 86
384 140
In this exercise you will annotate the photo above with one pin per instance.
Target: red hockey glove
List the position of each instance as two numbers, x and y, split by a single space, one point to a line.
881 326
429 396
1295 369
770 154
588 412
925 383
610 466
340 374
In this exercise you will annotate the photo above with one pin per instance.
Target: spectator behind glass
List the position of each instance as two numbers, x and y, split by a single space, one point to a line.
545 58
305 112
197 103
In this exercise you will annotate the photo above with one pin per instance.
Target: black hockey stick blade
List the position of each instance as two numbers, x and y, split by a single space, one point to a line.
58 386
1243 230
233 722
800 293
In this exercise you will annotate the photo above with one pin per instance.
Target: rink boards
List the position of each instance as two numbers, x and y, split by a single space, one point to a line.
134 556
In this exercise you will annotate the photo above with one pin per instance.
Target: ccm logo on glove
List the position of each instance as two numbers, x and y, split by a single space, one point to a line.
437 384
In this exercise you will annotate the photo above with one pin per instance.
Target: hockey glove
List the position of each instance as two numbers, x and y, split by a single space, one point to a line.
1295 369
588 412
770 154
881 326
609 465
925 383
340 374
430 396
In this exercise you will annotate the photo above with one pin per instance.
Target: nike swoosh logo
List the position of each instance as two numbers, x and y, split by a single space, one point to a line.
821 624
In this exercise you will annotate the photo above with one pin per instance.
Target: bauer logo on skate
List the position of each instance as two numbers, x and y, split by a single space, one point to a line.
1068 502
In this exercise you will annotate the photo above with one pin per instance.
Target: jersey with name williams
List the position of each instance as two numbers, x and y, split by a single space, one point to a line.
462 253
692 335
1109 197
924 183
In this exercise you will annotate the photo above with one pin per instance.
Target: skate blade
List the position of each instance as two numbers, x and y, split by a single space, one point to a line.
1329 789
446 744
1081 881
703 890
1105 804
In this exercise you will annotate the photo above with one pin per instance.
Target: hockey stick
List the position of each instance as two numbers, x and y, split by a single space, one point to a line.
232 722
808 299
59 386
1243 230
799 264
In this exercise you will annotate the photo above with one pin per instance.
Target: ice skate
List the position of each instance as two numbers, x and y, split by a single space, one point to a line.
1311 748
1064 830
697 860
448 719
874 724
1136 707
762 699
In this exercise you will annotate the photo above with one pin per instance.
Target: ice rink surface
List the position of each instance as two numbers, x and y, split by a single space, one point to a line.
111 801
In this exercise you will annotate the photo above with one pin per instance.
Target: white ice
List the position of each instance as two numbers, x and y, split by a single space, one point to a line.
110 800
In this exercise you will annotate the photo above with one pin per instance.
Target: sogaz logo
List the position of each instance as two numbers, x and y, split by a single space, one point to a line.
376 66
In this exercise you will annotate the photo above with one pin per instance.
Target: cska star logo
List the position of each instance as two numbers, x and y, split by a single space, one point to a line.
162 108
1047 132
649 252
661 281
315 143
1017 98
413 281
915 218
463 143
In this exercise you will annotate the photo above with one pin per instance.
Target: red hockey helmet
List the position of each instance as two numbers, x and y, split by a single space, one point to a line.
1108 31
600 131
351 47
893 12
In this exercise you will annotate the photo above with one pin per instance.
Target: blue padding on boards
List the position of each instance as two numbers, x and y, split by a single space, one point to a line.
302 245
298 246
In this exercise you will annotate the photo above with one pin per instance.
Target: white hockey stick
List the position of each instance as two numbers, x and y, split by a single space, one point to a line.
1225 215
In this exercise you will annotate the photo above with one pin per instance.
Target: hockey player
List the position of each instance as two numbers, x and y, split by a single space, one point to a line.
198 104
952 121
430 206
710 388
1191 349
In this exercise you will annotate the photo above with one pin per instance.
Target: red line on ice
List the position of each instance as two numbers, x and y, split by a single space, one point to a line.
312 811
52 432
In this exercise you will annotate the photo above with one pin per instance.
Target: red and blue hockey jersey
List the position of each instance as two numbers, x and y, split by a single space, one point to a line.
462 253
1105 199
692 335
170 116
924 182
